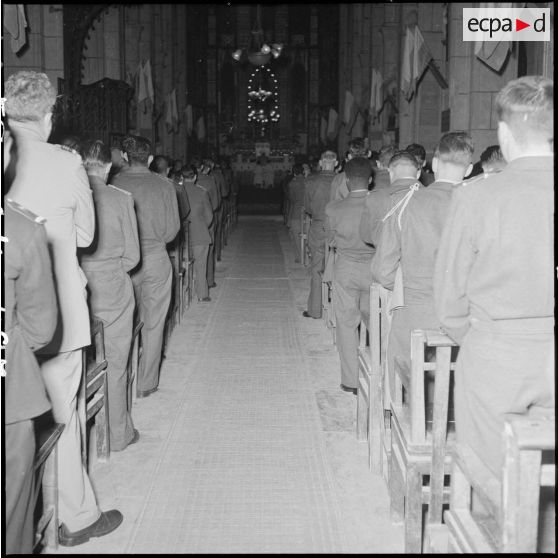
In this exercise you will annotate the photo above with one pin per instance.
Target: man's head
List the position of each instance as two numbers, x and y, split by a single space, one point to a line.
359 172
525 110
189 173
403 165
306 169
357 148
328 160
208 165
160 165
30 99
384 156
492 159
453 157
137 150
96 157
418 151
297 169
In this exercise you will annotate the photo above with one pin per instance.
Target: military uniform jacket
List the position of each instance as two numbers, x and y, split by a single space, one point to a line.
377 204
31 311
222 183
182 198
209 184
295 190
496 261
415 245
317 193
51 182
339 188
343 223
156 207
116 242
381 179
201 214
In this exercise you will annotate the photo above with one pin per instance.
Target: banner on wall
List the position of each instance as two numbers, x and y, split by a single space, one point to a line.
416 57
15 23
376 83
189 120
200 129
332 124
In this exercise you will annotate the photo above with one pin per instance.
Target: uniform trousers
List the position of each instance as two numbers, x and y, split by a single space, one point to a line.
211 254
153 289
77 506
499 373
316 242
351 303
295 228
19 439
218 232
200 253
112 301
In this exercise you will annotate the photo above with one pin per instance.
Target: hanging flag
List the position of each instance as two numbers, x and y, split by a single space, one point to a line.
358 127
323 129
168 113
332 124
350 109
189 120
148 81
407 63
492 53
141 89
14 22
174 110
421 58
200 129
376 83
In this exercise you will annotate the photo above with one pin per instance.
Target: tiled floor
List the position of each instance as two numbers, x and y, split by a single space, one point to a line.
248 446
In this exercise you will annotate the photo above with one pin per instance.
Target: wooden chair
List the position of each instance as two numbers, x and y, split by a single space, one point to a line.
186 275
328 313
510 518
304 226
373 422
234 213
47 433
132 364
93 394
419 460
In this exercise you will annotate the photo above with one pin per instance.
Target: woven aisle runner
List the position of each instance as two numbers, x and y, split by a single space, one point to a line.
244 467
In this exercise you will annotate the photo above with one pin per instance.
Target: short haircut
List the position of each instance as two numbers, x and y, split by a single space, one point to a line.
456 148
404 158
189 172
418 151
96 154
386 153
29 96
526 105
297 169
159 164
328 155
358 167
357 148
491 154
208 163
137 148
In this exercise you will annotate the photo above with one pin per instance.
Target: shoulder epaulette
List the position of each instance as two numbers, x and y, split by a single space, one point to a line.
119 189
474 179
68 149
27 213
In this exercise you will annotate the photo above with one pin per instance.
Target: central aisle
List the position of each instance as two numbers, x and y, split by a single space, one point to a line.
249 445
243 469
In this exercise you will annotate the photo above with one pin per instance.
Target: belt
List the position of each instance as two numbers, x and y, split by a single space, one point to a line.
100 266
519 325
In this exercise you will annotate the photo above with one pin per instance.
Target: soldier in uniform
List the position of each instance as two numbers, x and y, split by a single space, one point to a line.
200 220
316 197
31 314
410 238
351 276
158 224
492 160
339 188
295 192
381 176
207 182
494 275
114 252
50 180
426 177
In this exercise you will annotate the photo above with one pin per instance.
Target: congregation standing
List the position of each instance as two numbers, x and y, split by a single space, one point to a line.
88 228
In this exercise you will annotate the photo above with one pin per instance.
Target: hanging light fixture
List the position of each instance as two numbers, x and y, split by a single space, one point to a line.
260 52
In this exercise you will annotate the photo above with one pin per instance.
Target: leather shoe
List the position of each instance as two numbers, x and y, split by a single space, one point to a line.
347 388
108 521
135 437
146 393
306 315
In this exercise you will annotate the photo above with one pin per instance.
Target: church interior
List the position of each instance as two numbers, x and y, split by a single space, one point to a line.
247 444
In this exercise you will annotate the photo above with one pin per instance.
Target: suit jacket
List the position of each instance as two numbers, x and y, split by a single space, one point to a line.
201 214
31 311
51 182
317 194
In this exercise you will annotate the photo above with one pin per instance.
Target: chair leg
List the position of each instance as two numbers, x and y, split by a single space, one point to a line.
413 512
50 501
396 491
102 426
362 413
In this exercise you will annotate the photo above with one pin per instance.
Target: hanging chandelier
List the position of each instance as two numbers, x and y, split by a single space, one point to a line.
260 52
263 97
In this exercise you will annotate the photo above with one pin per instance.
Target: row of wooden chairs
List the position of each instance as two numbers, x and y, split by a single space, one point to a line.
411 443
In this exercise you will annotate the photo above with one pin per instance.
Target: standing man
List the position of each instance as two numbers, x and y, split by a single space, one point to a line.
339 188
316 197
199 221
494 275
351 276
426 177
410 239
158 224
295 194
51 181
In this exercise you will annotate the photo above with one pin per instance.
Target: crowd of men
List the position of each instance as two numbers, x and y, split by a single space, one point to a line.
465 250
88 232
